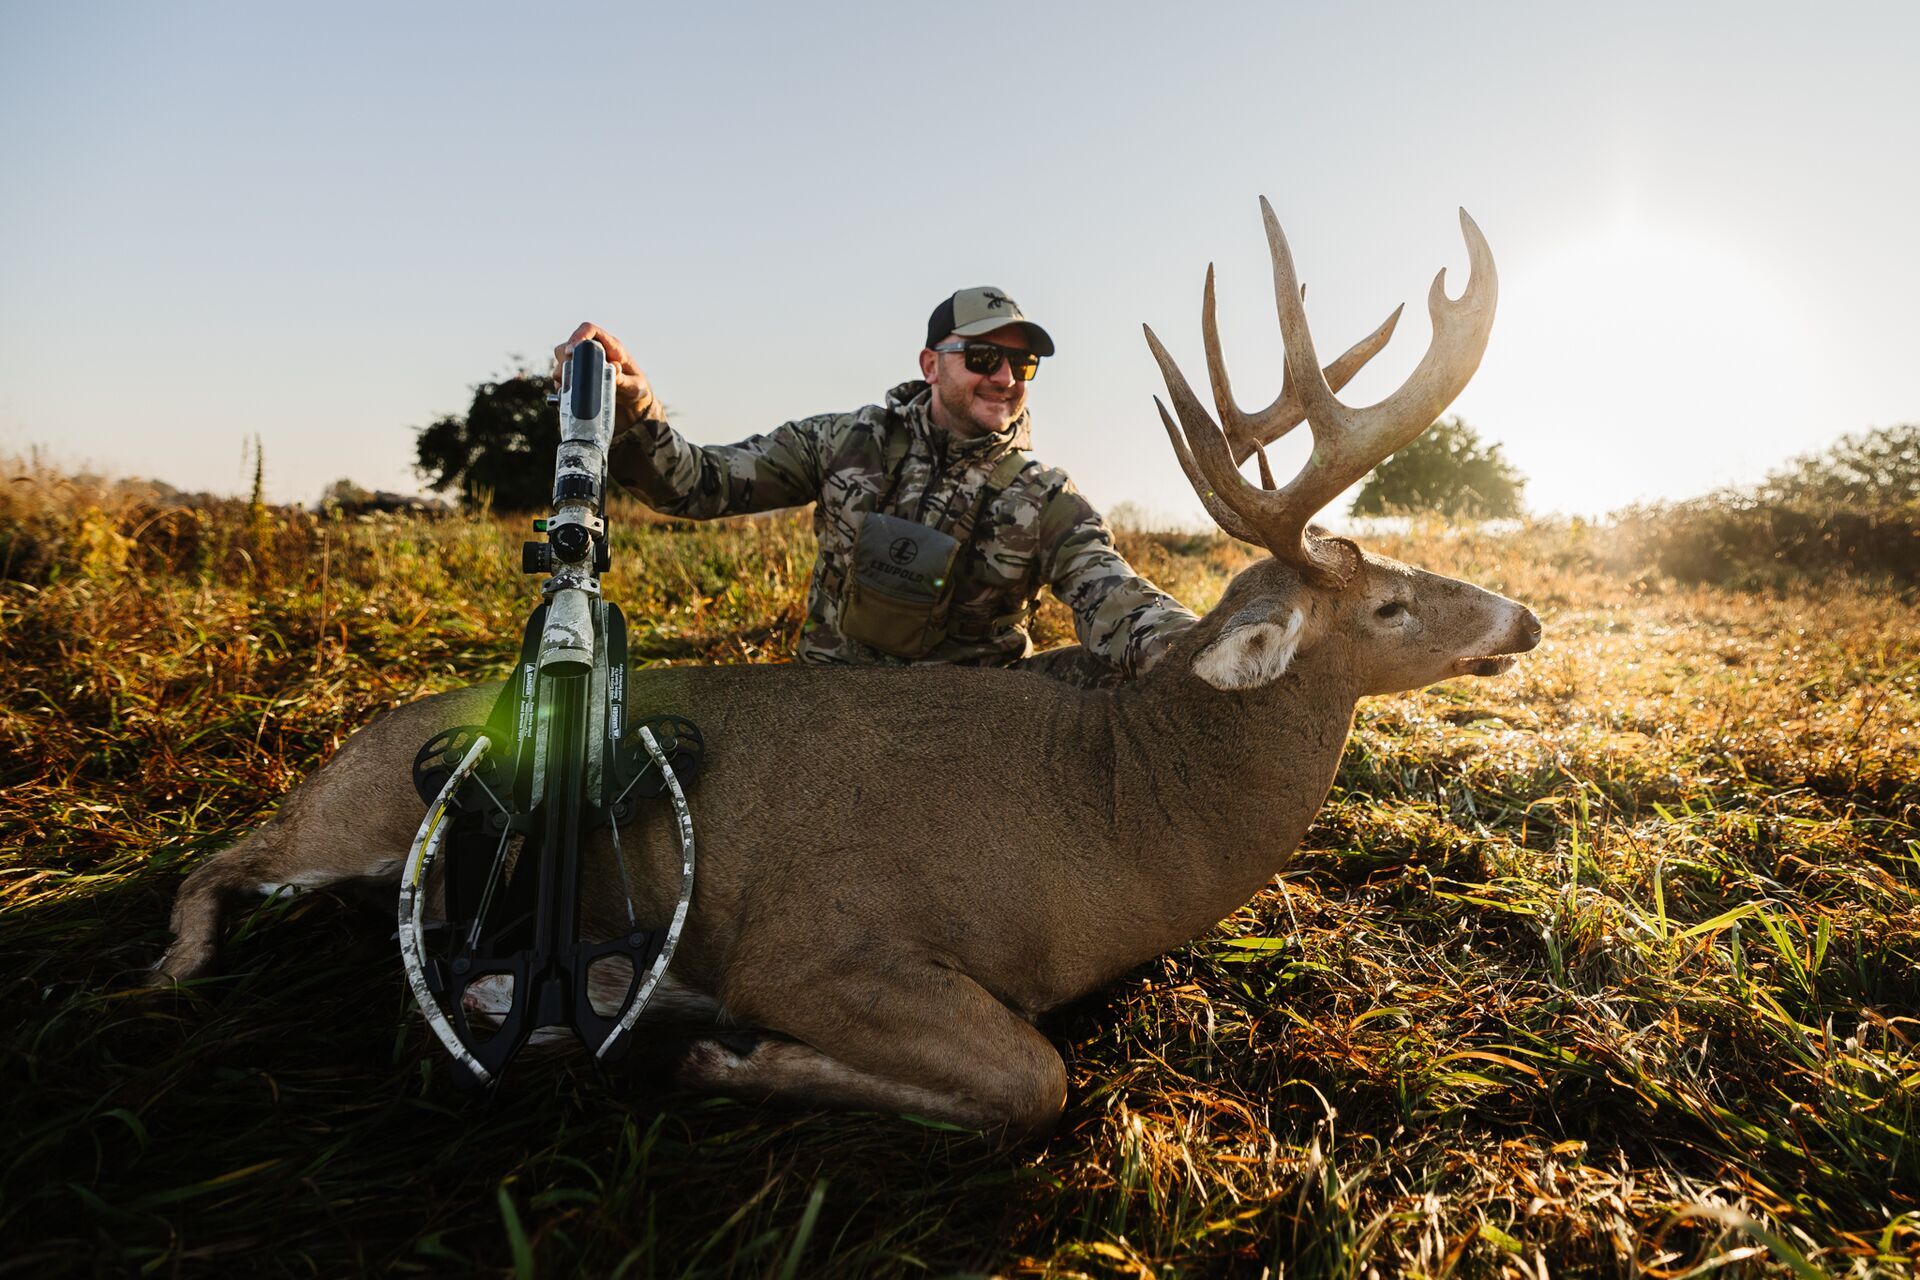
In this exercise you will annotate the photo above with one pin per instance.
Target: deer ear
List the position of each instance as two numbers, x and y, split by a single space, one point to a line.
1253 649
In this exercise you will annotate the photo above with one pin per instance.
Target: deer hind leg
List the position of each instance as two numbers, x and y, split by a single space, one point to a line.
256 865
934 1043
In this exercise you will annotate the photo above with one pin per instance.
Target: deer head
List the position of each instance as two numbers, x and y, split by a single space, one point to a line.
1396 627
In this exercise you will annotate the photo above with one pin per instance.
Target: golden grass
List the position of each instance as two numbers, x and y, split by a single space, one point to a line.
1612 964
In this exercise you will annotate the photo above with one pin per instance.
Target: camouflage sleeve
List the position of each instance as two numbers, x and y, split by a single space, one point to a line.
761 473
1119 616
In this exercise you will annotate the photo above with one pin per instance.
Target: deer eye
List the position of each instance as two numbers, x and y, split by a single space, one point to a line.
1391 609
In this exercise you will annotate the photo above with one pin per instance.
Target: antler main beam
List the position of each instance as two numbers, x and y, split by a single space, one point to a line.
1348 442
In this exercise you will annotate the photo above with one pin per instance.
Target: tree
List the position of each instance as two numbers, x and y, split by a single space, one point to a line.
342 494
504 446
1870 471
1446 470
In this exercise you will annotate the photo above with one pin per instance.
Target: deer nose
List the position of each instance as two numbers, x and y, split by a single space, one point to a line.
1529 629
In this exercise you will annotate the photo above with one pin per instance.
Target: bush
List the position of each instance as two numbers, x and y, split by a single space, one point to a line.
1877 470
1853 509
1746 543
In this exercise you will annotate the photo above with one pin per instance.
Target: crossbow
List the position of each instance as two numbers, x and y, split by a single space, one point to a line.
510 803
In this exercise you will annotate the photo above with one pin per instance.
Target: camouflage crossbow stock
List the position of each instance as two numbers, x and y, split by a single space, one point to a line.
512 801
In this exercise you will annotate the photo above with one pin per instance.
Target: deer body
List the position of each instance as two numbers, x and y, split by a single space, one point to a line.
991 843
901 867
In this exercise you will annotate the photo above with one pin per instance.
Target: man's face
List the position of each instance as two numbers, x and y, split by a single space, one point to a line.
975 404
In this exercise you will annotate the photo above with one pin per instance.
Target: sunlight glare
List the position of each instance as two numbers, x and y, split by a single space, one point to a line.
1638 363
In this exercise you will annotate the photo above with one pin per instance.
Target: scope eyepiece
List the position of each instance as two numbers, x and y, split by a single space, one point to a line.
570 541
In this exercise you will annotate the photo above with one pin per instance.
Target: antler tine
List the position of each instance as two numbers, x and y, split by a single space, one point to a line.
1223 515
1349 442
1247 433
1338 374
1207 463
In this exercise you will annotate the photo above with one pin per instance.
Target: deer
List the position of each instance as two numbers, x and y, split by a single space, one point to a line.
903 868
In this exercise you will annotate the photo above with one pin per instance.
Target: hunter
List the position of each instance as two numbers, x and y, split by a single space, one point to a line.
936 531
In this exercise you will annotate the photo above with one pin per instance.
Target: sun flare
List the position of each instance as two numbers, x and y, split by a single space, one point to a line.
1638 362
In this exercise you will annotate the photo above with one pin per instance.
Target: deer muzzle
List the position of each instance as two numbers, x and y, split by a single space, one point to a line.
1525 635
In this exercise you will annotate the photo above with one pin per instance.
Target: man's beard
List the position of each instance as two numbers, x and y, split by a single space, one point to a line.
953 396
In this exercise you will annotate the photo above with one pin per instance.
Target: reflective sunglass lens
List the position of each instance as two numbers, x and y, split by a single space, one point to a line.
984 358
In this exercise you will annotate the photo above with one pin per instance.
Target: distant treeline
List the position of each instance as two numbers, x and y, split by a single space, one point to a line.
1853 509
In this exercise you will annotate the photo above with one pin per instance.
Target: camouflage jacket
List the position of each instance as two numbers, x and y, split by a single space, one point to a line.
1035 532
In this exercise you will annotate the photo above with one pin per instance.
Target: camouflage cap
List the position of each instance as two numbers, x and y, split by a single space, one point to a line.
982 309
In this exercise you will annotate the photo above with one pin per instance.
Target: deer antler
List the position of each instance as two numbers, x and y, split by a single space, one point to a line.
1347 442
1250 432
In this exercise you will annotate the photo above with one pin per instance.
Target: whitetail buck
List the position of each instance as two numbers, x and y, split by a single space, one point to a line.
901 867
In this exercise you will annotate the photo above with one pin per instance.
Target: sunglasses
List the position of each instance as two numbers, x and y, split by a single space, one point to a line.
984 358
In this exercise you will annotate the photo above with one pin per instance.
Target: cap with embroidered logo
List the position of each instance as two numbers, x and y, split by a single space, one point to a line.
982 309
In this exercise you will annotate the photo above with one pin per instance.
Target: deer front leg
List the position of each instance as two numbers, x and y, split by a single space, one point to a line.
932 1042
286 855
352 820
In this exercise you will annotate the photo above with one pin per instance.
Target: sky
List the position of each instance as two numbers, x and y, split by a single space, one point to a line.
321 225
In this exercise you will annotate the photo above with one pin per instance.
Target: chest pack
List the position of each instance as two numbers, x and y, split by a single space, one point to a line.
899 585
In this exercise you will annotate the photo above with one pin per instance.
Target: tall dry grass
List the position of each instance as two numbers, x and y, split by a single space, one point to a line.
1609 965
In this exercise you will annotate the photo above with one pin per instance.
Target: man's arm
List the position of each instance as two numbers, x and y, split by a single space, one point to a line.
1118 615
761 473
676 478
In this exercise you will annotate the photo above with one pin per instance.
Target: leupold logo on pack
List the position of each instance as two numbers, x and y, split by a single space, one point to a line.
902 551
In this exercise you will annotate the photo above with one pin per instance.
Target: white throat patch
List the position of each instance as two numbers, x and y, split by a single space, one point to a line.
1247 657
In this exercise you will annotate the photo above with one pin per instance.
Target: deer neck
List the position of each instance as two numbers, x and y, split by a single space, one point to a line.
1214 790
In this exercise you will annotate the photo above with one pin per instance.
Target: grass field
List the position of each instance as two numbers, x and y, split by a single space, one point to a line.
1609 965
